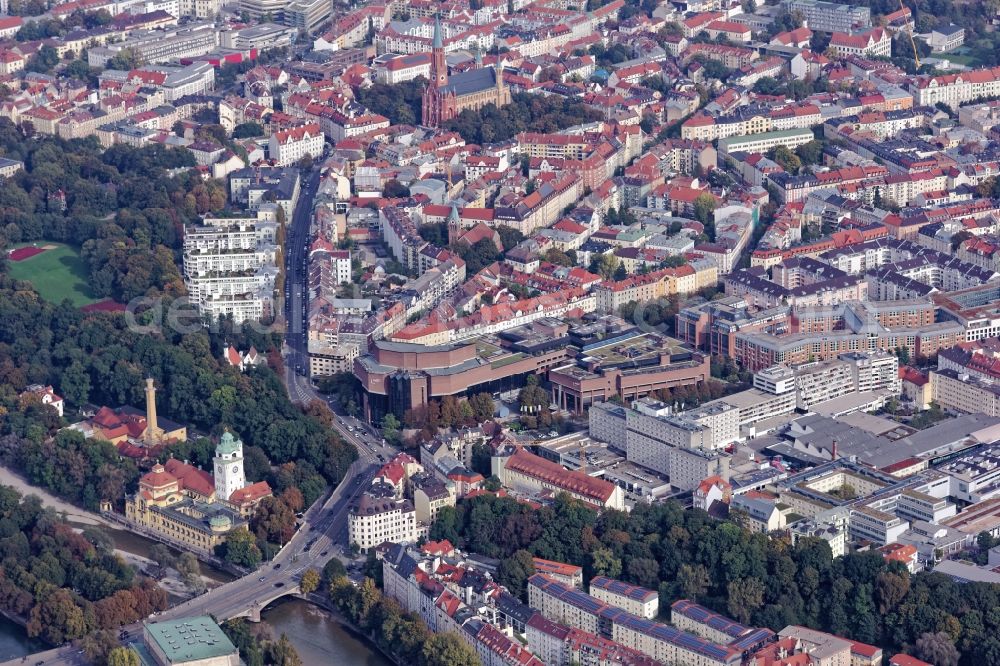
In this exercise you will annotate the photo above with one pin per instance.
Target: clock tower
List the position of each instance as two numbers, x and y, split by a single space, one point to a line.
229 476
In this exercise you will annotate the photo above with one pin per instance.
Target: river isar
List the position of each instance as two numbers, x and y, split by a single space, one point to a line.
316 634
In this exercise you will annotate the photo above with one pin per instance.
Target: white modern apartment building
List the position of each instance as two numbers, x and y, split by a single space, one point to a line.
375 519
153 46
291 145
229 266
830 16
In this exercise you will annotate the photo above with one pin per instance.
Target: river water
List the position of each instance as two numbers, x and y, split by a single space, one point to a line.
316 635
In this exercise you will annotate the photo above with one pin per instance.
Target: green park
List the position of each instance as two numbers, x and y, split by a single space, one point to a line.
57 273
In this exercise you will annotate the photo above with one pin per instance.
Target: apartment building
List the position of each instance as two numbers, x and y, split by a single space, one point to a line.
289 146
975 475
378 516
229 266
963 392
632 598
573 608
567 574
829 16
956 89
307 15
689 467
9 167
683 280
700 621
849 373
394 69
257 187
155 46
765 141
326 360
430 495
875 525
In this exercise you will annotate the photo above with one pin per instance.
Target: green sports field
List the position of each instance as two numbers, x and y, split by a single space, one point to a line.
56 274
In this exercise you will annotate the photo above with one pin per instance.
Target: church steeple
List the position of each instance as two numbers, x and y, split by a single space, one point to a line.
439 68
438 41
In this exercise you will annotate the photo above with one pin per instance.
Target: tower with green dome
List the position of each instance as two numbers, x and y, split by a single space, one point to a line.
229 475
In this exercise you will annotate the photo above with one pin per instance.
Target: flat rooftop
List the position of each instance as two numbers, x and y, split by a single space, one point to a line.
643 347
190 639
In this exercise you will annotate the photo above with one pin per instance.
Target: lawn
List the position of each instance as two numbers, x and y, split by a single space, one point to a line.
56 274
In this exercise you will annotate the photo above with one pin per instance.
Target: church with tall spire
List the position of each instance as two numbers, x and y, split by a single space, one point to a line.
448 95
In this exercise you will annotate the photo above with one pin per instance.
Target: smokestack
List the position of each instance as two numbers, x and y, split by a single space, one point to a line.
583 457
833 450
152 429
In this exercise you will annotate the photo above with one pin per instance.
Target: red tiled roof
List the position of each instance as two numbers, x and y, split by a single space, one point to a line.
558 476
190 477
157 478
251 493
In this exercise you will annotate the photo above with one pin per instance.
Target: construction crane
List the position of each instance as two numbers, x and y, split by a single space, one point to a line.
913 42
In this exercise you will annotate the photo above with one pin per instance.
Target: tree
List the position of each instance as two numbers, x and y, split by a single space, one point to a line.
937 648
273 521
122 656
786 159
509 236
281 652
78 69
558 257
478 256
241 549
704 207
310 581
605 266
390 428
482 407
333 570
603 562
514 572
44 60
447 649
890 589
694 581
98 645
247 130
126 60
745 597
393 189
162 555
903 354
56 618
810 153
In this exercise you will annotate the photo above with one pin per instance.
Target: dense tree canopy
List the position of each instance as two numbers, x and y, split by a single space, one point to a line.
762 580
59 581
525 113
122 207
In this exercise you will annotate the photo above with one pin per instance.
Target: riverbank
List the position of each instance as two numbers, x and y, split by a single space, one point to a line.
321 635
9 477
169 579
